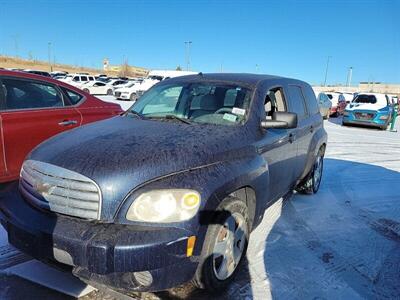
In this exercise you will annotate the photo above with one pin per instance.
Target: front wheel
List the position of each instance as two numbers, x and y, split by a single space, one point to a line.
310 185
109 92
224 247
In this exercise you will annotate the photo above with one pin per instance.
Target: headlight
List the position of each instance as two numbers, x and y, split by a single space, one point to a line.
383 117
165 206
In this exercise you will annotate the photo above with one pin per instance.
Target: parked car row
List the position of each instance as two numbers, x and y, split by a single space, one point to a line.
136 89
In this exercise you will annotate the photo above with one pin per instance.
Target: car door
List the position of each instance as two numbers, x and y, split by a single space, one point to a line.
101 88
3 167
305 126
33 112
278 146
90 108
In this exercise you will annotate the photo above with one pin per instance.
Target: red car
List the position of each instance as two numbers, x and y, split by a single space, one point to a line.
34 108
338 103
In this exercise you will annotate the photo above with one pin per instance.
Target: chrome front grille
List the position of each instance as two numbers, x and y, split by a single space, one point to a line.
60 190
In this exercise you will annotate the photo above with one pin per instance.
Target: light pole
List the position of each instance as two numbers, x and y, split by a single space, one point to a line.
326 70
257 68
187 50
49 53
349 75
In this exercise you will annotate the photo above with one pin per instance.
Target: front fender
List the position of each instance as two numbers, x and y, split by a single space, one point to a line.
214 183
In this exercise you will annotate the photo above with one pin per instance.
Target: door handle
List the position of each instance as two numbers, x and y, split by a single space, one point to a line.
292 137
67 122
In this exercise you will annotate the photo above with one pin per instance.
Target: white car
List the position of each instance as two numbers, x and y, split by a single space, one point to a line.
127 92
347 96
156 76
78 79
116 82
97 88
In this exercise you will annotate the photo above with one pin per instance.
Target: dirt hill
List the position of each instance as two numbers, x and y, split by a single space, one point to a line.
13 62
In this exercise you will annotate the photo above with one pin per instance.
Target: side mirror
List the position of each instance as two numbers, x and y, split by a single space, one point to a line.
283 120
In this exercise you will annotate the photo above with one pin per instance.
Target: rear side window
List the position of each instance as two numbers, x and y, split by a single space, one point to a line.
84 78
73 97
25 94
296 100
371 99
311 100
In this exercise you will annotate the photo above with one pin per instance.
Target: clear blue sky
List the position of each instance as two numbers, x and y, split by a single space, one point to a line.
289 38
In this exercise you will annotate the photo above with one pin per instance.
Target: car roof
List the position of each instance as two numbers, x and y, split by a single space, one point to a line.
239 78
38 77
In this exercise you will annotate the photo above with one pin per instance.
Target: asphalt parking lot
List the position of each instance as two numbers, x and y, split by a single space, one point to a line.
342 243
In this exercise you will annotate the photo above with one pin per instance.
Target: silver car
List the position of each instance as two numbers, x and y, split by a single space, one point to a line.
325 105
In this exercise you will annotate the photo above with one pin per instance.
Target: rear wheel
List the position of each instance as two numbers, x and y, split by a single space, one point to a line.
310 185
224 247
86 91
109 92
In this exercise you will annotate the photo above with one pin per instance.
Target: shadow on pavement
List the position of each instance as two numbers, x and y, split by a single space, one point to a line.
341 243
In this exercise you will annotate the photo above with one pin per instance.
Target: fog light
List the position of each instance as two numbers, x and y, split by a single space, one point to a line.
384 117
143 278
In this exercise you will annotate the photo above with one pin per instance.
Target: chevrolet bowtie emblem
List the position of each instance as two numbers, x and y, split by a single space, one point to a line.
42 188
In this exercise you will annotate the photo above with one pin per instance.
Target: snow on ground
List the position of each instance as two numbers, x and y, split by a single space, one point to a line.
342 243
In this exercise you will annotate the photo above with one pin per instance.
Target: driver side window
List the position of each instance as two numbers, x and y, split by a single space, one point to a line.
274 101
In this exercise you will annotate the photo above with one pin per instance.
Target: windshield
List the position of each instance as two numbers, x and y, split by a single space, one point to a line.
211 103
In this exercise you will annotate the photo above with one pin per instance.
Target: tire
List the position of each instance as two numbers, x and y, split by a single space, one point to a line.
211 273
132 97
86 91
310 185
109 92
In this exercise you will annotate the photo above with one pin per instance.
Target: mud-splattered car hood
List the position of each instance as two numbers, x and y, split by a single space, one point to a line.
122 153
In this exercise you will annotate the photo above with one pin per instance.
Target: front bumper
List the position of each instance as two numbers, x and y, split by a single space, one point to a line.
123 96
100 254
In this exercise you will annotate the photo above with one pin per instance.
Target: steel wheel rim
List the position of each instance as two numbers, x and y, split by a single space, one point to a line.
317 172
229 246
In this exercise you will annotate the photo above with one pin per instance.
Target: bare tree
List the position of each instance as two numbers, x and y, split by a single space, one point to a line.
125 69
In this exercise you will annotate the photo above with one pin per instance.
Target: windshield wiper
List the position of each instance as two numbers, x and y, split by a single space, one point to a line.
135 113
173 117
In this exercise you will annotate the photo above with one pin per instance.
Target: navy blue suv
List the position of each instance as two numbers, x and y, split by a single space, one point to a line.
169 191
